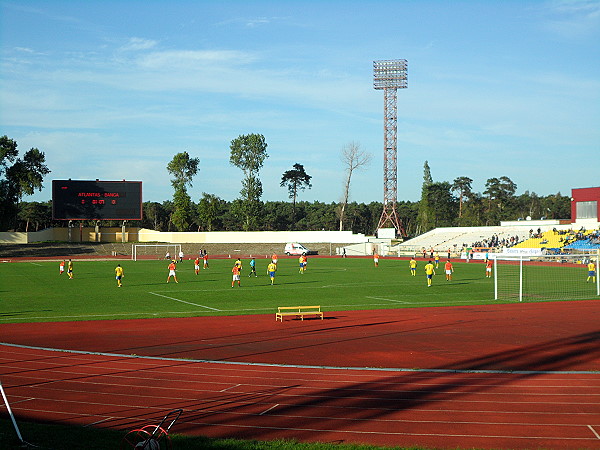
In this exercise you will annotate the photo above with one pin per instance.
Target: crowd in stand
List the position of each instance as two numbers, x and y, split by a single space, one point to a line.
495 242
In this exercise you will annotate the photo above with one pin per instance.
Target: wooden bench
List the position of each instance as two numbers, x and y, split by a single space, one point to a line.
298 311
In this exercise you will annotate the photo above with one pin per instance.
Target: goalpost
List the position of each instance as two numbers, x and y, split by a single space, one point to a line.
546 277
154 251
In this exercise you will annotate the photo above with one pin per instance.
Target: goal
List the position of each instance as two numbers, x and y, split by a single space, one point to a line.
154 251
547 277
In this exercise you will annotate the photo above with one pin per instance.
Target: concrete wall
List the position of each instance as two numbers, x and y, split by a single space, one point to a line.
89 234
258 237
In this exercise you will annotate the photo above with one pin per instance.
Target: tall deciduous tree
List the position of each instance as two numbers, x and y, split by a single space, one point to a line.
210 208
295 180
183 169
248 153
18 177
353 159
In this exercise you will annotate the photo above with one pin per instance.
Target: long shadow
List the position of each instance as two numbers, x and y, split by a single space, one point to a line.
390 394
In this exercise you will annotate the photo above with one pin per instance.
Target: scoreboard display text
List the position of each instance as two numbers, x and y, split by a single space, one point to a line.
96 200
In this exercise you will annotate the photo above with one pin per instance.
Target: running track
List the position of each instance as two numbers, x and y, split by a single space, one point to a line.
497 376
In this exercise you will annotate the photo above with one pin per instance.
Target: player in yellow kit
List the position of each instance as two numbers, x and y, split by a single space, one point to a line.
271 269
413 267
430 272
119 274
591 272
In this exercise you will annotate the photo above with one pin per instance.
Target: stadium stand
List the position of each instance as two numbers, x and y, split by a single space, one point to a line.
455 239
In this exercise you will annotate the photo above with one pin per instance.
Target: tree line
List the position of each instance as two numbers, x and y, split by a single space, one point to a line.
442 203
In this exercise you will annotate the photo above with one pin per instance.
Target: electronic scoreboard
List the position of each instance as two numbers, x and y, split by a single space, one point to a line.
96 200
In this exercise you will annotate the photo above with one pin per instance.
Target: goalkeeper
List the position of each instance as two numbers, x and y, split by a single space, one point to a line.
591 272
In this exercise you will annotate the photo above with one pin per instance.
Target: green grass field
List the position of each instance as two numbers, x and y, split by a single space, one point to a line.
34 291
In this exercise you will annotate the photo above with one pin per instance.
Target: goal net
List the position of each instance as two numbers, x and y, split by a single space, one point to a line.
154 251
548 277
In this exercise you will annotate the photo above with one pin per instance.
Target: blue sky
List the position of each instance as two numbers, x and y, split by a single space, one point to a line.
113 90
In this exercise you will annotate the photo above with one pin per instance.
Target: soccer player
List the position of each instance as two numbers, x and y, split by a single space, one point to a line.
376 259
236 274
252 267
488 268
119 274
413 266
271 269
430 272
61 267
238 264
181 255
304 262
172 271
591 272
197 265
70 270
205 258
301 263
274 259
449 269
437 260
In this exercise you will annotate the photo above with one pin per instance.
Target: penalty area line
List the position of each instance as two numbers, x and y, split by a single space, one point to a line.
388 300
183 301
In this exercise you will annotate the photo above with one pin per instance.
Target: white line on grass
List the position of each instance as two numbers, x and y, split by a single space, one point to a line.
183 301
388 299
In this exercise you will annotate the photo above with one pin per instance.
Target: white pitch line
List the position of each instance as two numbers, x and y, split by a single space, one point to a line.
183 301
594 431
269 409
387 299
35 264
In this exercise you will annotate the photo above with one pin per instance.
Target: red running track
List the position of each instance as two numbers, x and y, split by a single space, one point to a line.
497 376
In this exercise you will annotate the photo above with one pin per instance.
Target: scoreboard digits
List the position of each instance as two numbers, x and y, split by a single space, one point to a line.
96 200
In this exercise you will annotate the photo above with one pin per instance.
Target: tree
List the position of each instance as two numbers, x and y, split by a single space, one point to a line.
463 186
353 159
23 177
424 219
248 152
183 169
210 208
442 204
500 192
295 179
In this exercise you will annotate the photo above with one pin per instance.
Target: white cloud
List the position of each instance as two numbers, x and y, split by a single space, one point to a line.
193 59
137 44
573 18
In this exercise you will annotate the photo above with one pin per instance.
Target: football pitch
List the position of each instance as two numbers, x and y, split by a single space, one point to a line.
34 291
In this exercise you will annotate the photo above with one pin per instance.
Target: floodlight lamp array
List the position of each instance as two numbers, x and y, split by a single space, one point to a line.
390 74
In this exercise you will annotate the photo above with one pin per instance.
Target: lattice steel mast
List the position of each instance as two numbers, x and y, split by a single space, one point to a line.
390 75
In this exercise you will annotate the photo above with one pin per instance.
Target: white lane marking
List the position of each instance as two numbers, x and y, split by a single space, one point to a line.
269 409
230 387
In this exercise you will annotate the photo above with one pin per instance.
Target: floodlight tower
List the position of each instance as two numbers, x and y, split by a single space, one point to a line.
390 75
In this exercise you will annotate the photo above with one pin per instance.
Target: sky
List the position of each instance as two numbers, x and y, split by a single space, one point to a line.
112 90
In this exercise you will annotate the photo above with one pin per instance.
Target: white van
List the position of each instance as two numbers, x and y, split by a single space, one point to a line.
293 248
